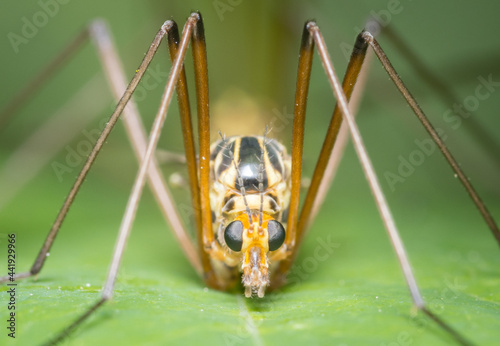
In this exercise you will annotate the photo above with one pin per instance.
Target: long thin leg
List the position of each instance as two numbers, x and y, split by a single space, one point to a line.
137 134
350 78
340 144
434 135
353 70
375 185
287 252
481 135
303 77
199 189
137 188
114 72
92 156
29 90
297 226
187 130
205 233
206 239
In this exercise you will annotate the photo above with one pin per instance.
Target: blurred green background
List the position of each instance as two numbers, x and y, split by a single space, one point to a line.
357 296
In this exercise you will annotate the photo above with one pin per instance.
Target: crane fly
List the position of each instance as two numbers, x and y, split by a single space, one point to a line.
245 190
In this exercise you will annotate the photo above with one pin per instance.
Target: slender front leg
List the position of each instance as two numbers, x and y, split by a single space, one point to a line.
299 116
206 238
434 135
353 69
372 179
42 255
140 180
112 66
187 134
113 69
340 143
297 226
286 252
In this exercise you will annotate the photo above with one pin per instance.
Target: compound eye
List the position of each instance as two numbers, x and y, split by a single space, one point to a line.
233 235
276 233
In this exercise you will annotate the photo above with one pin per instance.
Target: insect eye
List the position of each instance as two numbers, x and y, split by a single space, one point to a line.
233 235
276 234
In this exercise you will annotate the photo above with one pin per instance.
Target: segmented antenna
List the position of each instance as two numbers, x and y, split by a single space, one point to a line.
238 176
260 178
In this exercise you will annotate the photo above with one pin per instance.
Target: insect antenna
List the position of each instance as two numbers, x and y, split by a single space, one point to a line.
238 176
260 177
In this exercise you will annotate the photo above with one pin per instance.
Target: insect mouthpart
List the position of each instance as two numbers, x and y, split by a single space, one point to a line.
255 272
